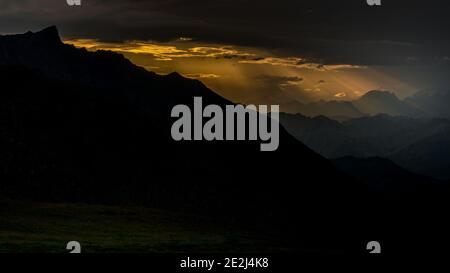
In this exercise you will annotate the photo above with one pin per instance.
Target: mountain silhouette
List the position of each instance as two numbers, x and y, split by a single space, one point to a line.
429 156
81 126
372 103
384 176
384 102
432 102
91 127
334 109
406 141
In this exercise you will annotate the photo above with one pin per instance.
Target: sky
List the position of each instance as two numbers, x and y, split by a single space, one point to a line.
265 52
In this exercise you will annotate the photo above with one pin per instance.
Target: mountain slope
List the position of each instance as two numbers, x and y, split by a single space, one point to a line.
383 102
430 156
419 145
432 102
379 135
372 103
91 127
333 109
383 175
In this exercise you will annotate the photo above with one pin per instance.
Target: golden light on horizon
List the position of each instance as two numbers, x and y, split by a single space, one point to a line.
251 75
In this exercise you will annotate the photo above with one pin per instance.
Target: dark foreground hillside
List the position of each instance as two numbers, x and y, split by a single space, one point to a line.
48 227
91 128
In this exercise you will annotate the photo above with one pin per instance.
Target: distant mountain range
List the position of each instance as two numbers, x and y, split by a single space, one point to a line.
419 145
434 103
79 126
339 110
383 102
425 104
430 155
91 127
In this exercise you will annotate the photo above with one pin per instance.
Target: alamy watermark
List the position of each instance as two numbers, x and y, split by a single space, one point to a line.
374 2
239 122
74 247
73 2
374 247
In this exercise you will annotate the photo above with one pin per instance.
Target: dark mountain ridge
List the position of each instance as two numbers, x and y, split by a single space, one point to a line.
384 176
407 141
334 109
433 102
372 103
79 126
384 102
429 156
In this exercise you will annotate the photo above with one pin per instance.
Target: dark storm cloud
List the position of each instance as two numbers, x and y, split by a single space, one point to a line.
323 31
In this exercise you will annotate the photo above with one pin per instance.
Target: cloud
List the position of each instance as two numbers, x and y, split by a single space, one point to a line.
290 61
201 76
297 62
184 39
316 87
340 95
280 80
330 35
186 49
162 52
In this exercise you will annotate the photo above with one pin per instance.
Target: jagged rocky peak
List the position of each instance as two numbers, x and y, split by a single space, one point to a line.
46 35
49 34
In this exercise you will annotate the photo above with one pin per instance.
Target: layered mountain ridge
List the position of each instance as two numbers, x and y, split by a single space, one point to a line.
81 126
424 104
91 127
